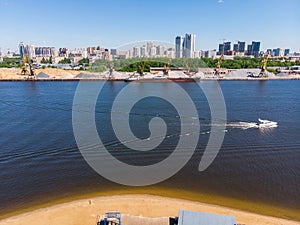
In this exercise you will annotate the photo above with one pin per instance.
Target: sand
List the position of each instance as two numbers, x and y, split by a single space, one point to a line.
59 74
84 212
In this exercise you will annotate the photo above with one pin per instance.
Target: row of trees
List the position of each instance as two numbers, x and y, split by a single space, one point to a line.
10 62
47 61
84 61
65 61
130 65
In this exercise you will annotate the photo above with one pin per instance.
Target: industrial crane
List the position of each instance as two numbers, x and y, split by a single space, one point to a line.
110 69
110 64
217 69
167 68
141 68
263 66
187 69
186 66
27 67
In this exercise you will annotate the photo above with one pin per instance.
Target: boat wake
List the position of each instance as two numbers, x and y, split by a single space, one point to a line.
262 124
242 125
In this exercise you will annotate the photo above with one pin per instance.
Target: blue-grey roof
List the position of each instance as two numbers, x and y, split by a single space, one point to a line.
200 218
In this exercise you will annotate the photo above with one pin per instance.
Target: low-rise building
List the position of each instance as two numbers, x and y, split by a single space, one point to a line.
186 217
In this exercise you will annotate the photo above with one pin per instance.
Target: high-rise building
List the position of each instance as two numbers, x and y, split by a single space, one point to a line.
189 45
143 50
279 52
236 47
239 47
152 52
113 52
136 52
179 41
22 49
225 47
249 49
63 52
31 51
270 51
160 50
149 45
276 52
255 48
28 50
45 51
170 53
286 51
221 49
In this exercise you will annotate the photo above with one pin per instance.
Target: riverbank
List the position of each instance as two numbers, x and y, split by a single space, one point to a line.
85 211
54 74
236 205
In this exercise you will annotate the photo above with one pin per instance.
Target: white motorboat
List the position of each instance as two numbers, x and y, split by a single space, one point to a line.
267 124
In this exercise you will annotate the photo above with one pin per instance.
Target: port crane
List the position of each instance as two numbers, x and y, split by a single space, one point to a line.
110 64
263 67
141 68
167 68
217 69
27 67
110 69
187 69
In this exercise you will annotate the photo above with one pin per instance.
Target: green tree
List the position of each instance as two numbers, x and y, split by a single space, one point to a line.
65 61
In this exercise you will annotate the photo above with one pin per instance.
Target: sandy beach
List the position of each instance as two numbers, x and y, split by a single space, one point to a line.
53 74
85 211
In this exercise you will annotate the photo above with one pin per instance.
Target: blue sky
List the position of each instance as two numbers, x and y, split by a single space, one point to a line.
79 23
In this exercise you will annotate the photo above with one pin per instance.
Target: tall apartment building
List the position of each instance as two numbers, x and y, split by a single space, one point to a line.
149 46
278 52
160 50
225 47
239 46
63 52
45 51
136 52
143 51
22 49
189 46
152 51
185 46
29 50
286 51
179 46
254 48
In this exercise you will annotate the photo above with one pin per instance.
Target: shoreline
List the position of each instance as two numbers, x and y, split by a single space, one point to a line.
152 80
54 74
248 206
85 211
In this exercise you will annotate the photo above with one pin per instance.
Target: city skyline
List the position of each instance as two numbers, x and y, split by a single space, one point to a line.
180 51
78 24
184 48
